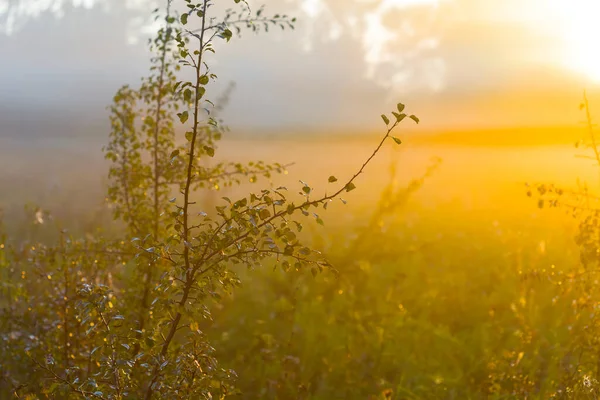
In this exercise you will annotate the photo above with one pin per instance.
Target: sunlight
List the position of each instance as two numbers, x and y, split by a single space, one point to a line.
579 30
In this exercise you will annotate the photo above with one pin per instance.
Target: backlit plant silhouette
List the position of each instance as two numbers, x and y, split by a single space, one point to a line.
118 319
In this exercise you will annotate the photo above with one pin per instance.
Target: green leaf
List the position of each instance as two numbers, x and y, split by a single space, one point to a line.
187 95
203 79
264 213
400 107
399 117
200 93
210 151
350 186
174 153
332 179
306 189
414 118
398 141
183 117
385 119
184 19
188 136
226 34
305 251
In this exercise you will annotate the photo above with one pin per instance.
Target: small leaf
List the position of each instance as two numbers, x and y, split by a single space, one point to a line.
226 34
174 153
399 117
350 186
264 214
332 179
414 118
290 209
184 19
203 80
385 119
209 150
188 136
183 117
398 141
305 251
200 94
187 95
400 107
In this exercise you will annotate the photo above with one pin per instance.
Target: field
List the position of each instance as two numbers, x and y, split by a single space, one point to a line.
462 289
332 245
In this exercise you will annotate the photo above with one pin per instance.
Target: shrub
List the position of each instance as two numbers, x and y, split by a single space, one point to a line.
120 318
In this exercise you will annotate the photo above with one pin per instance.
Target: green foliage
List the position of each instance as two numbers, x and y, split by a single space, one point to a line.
124 318
576 351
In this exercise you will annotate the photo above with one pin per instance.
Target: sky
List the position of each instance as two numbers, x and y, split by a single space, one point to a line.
457 64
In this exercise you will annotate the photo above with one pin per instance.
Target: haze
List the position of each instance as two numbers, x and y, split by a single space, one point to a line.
454 61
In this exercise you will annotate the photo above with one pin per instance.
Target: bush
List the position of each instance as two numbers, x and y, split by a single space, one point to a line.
124 317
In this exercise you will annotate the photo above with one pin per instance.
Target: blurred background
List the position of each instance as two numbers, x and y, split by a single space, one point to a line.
455 281
496 85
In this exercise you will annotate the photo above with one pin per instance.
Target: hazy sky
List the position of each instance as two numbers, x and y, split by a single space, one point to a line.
456 63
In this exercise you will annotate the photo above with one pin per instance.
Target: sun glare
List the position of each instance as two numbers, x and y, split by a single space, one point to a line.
579 31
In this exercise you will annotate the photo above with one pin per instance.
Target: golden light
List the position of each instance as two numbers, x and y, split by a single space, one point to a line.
578 30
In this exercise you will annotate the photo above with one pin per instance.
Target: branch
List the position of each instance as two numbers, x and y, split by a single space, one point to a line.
74 388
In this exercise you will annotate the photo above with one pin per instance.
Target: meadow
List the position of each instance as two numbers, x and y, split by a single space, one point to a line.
462 288
169 258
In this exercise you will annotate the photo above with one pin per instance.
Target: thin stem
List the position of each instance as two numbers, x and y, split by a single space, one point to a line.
74 388
124 178
307 203
65 300
148 273
186 204
590 126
